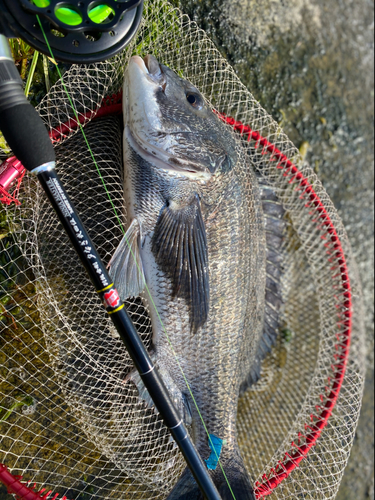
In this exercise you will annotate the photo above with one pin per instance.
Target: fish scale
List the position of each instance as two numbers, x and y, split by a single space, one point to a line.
194 207
210 359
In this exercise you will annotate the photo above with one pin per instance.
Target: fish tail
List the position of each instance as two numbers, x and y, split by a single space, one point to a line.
186 488
236 484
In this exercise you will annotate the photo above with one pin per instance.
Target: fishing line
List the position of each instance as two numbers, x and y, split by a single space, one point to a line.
132 253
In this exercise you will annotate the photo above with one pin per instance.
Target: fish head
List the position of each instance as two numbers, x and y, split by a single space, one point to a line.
169 123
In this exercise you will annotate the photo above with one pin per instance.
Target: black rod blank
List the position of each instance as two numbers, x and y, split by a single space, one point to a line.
28 138
124 325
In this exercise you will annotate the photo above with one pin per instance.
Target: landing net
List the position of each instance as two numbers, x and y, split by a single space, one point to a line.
67 420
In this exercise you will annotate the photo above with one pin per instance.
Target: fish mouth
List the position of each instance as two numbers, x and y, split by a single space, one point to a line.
149 74
155 70
151 68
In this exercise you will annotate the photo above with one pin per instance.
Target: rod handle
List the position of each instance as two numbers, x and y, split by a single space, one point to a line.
20 123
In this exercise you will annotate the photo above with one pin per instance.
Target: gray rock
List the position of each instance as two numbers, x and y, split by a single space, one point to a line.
310 64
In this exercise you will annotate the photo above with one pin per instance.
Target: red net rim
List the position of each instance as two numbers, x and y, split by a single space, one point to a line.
335 256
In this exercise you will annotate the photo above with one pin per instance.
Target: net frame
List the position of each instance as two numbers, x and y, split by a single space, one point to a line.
292 180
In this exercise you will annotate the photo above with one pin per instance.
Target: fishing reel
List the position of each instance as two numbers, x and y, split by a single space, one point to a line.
78 31
74 31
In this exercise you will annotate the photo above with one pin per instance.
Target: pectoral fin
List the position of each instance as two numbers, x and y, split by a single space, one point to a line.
125 267
180 248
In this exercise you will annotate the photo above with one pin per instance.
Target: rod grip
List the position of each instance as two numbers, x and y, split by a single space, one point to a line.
20 124
11 93
27 136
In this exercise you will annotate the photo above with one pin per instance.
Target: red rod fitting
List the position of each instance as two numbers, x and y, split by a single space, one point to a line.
11 174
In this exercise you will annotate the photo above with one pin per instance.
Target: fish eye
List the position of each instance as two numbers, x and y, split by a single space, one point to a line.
195 100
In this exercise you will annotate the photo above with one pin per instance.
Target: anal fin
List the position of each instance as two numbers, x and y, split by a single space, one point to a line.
180 400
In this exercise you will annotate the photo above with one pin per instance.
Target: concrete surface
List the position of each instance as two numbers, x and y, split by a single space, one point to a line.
310 64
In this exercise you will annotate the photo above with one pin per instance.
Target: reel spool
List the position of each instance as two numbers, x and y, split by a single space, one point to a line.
82 32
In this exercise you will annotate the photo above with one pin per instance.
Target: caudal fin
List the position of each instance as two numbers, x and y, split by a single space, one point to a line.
186 489
236 485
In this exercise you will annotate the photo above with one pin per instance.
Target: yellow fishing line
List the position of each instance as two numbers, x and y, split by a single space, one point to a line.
146 287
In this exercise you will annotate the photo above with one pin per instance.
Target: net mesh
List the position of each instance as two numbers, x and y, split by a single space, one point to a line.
67 420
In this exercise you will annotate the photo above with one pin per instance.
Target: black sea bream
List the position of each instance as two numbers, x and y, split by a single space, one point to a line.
196 229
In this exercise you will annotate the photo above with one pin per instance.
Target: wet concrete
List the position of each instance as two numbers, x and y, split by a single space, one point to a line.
310 64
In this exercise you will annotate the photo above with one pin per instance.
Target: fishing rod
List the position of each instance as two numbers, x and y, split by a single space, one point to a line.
83 32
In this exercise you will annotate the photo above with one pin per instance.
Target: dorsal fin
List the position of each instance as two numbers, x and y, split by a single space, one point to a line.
275 225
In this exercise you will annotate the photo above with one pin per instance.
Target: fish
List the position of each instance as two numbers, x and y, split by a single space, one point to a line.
196 242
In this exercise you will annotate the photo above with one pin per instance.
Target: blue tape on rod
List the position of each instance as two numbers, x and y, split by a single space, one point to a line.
216 445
